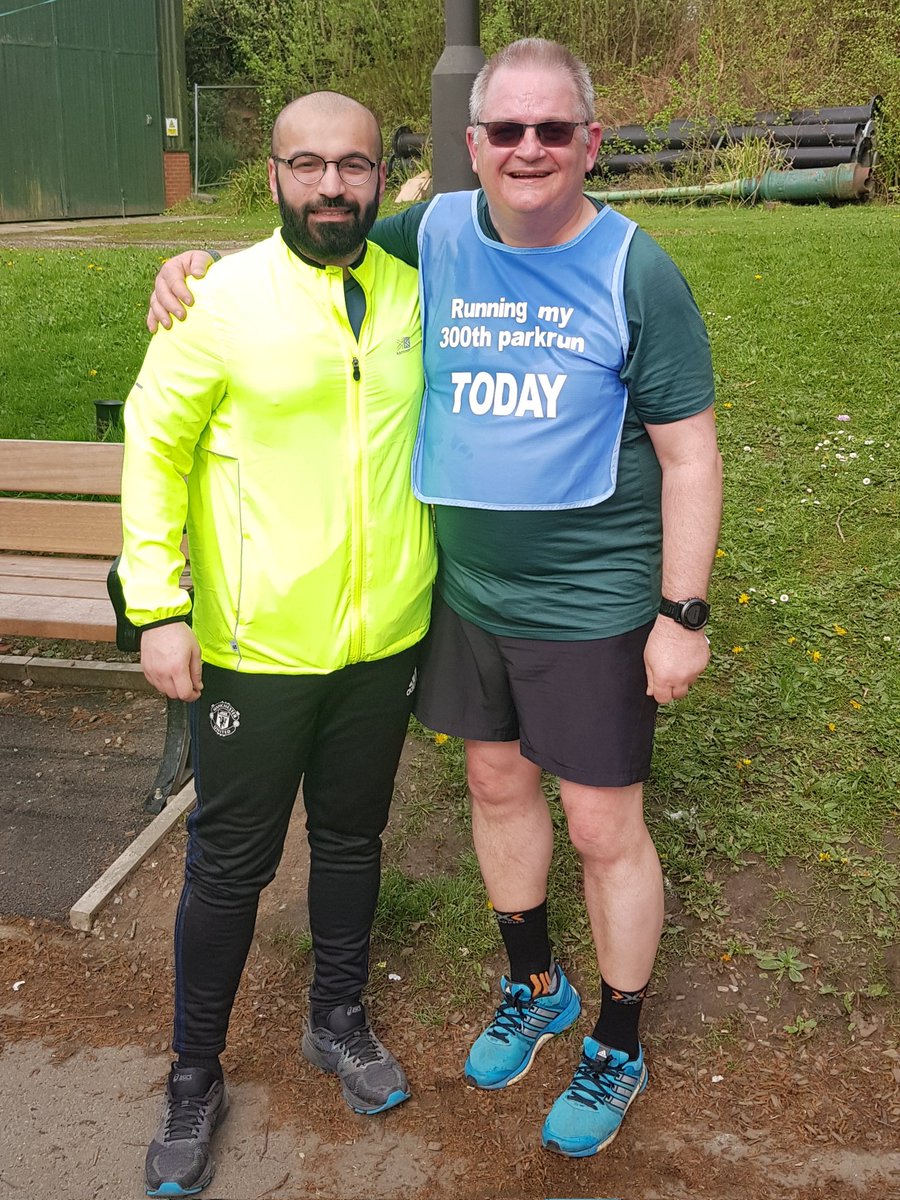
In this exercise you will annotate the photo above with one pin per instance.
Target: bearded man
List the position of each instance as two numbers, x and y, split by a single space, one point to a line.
279 425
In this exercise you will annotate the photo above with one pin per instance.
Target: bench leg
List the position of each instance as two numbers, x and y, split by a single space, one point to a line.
175 768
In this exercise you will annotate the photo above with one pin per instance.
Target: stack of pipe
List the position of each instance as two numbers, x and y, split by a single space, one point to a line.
804 138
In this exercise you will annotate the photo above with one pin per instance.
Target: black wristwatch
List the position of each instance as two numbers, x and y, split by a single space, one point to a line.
692 614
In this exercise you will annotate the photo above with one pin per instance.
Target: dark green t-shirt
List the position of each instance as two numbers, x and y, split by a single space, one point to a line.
582 573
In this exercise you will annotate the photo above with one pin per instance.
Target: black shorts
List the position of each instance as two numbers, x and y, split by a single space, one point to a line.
579 710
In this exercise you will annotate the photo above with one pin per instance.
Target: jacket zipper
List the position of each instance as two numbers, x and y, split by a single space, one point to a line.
358 544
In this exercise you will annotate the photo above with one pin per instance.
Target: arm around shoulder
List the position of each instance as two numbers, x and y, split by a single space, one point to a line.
171 296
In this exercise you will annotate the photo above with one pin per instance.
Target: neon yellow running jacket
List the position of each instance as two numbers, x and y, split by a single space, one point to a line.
285 445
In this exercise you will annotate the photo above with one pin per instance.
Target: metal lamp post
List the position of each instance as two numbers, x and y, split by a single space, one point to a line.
451 82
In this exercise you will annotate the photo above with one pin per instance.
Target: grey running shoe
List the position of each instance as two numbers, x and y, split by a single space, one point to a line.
371 1078
178 1161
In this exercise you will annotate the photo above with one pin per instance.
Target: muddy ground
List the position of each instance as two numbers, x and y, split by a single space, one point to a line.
737 1108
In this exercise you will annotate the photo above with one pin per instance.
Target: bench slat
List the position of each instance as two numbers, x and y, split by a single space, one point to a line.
25 585
61 526
89 468
56 617
50 568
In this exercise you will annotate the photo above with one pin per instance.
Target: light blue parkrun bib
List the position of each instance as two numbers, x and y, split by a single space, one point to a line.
523 403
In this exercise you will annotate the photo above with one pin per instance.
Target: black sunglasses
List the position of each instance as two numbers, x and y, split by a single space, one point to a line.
549 133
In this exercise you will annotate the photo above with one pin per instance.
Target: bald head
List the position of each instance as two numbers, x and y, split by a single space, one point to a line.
304 116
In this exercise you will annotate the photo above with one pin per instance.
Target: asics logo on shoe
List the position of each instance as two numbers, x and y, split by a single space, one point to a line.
182 1078
353 1009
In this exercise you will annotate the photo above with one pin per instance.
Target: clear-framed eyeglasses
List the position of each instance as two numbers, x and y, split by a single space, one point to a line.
354 169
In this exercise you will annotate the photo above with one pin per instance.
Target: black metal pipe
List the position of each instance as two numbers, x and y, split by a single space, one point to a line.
797 135
669 160
685 134
822 116
407 144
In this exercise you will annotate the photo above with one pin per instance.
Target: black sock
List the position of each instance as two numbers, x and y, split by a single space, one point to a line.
339 1020
527 943
185 1061
620 1014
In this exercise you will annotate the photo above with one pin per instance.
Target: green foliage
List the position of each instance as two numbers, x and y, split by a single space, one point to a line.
651 59
377 51
247 189
783 962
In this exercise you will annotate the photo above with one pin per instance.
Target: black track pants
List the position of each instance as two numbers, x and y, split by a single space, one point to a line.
255 737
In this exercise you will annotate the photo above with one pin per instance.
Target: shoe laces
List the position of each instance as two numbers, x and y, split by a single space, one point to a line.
593 1084
509 1017
184 1117
360 1045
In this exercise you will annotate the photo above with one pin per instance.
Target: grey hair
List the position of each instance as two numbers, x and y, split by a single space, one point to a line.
535 52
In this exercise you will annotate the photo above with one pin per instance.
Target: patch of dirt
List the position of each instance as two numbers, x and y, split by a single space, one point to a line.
737 1109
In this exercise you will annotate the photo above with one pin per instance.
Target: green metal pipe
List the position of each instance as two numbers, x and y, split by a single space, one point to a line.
849 181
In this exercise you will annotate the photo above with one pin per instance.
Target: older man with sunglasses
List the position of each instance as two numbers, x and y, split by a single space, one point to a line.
567 444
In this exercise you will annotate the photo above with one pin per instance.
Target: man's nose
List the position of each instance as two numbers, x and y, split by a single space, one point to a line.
530 146
331 183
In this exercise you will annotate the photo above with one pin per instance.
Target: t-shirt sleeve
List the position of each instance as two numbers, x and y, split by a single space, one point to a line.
668 368
399 235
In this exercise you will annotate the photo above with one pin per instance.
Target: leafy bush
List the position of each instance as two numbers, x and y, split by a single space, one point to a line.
651 59
248 187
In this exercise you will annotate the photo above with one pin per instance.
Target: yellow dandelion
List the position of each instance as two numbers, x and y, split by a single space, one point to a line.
743 598
791 641
746 761
490 906
855 704
91 267
824 856
737 649
720 553
839 630
440 738
815 655
757 276
831 727
760 510
728 404
92 372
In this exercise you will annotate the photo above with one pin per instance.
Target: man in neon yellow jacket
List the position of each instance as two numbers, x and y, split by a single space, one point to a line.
279 426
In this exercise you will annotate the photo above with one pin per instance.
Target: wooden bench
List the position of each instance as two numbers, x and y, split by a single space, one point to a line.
55 553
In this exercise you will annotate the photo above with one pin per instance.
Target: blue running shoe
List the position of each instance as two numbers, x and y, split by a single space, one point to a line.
521 1025
587 1116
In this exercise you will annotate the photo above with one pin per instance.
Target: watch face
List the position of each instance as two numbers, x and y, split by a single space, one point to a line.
695 614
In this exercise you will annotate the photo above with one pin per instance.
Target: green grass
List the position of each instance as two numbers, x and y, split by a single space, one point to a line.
789 745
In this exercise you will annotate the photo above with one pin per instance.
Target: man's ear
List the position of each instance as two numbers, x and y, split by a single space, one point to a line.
595 137
382 180
273 179
473 147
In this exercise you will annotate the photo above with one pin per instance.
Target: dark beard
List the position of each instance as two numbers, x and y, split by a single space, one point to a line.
327 243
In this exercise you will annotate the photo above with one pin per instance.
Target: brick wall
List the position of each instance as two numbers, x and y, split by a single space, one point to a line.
179 181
